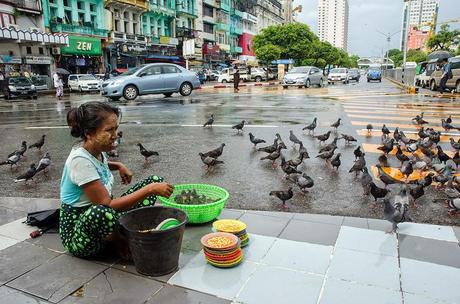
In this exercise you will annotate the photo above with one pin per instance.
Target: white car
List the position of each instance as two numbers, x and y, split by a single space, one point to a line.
338 75
227 75
83 82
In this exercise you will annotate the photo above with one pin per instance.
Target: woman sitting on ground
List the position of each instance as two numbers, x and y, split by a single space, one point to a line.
89 213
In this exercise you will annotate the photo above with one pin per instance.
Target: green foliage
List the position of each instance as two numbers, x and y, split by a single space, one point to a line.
412 55
444 39
267 53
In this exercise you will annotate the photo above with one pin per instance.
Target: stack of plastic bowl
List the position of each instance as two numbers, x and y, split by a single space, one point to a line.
222 249
235 227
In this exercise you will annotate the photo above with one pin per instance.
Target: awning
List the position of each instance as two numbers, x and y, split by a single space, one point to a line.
28 36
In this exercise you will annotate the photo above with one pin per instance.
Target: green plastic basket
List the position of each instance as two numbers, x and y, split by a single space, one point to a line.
198 214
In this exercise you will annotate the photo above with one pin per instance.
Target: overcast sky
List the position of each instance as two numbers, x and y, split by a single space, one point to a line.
368 16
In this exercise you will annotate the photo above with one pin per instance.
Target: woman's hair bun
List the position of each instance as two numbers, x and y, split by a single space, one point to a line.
73 123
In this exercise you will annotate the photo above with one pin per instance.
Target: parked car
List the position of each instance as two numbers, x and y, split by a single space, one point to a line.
19 86
226 75
153 78
259 74
353 74
454 82
40 82
212 75
424 71
374 73
83 82
338 75
303 76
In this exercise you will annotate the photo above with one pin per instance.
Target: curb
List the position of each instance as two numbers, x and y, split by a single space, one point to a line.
408 88
414 90
257 84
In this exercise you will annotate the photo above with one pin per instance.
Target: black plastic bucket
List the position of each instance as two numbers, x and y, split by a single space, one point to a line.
155 253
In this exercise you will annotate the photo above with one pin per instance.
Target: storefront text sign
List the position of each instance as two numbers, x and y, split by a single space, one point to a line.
38 60
83 46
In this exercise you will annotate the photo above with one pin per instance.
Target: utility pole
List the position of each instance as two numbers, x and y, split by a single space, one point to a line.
388 38
406 34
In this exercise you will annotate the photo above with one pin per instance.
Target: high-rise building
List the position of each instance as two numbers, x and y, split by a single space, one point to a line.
333 22
422 15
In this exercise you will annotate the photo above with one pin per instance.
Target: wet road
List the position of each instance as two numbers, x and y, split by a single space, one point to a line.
172 126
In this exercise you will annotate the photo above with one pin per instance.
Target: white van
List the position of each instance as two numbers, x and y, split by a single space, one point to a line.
83 82
227 75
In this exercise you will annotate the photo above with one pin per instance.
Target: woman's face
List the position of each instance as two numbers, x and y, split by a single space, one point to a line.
104 137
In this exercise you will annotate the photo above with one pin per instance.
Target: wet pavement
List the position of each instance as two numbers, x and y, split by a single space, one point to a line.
172 126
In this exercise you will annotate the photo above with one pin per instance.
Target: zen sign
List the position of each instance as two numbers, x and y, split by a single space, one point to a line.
79 45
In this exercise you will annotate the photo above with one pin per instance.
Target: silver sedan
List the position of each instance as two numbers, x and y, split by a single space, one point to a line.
153 78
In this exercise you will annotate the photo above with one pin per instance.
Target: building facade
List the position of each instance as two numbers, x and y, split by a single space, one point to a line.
25 47
417 38
422 15
333 22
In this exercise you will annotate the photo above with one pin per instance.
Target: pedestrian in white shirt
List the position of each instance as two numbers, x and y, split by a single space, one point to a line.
58 85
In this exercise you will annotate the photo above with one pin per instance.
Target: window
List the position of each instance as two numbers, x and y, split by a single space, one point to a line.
208 28
208 11
169 69
40 50
66 3
92 7
154 70
80 5
68 16
29 50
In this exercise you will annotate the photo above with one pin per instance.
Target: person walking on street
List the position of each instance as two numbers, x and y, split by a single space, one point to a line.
236 79
446 75
58 85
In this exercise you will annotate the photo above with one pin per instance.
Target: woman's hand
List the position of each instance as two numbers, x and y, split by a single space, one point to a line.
161 189
125 174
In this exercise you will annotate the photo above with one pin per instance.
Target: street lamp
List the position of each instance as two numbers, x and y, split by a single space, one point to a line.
406 34
388 36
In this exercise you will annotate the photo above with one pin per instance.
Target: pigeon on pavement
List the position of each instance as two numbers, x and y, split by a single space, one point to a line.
269 149
273 156
283 195
323 137
395 214
209 122
12 160
146 153
255 140
326 155
385 178
239 127
366 180
369 128
348 138
305 182
303 151
30 173
335 162
329 147
336 124
377 193
358 165
39 144
216 152
357 152
209 161
21 151
294 138
311 127
44 163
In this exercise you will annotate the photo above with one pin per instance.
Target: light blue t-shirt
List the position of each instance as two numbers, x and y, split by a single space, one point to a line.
81 168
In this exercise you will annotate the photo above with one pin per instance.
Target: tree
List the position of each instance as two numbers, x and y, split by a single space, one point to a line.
354 61
396 55
444 39
267 53
295 40
416 56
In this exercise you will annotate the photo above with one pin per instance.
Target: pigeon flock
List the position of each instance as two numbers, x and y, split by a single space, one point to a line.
14 161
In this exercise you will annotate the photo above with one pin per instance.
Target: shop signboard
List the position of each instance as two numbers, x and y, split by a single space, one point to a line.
174 41
37 60
79 45
164 39
7 59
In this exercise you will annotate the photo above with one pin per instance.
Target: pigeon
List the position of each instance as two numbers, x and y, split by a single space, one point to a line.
395 214
383 160
357 152
12 160
401 156
283 195
303 151
21 151
358 165
396 135
255 140
305 182
387 147
209 122
296 161
323 137
419 119
311 127
30 173
377 193
416 193
402 197
288 169
326 155
280 141
294 138
239 127
454 144
369 128
447 126
427 180
456 158
348 138
453 206
449 119
146 153
441 179
366 180
335 162
443 157
216 152
407 168
385 130
385 178
336 124
209 161
271 148
39 144
422 134
44 163
329 147
273 156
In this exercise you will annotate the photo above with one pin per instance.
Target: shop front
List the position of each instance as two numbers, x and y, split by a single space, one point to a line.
83 55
